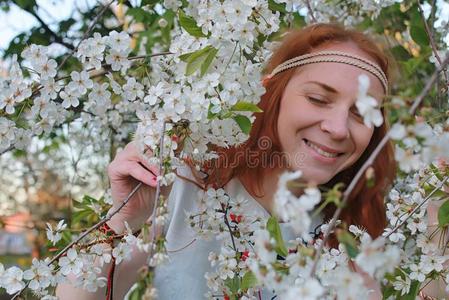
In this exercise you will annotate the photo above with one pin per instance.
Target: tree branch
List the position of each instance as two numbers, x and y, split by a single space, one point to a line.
87 33
418 206
56 37
432 41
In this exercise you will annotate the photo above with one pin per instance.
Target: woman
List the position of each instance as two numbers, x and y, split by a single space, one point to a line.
310 114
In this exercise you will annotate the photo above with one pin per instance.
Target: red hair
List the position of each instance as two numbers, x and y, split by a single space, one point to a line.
366 204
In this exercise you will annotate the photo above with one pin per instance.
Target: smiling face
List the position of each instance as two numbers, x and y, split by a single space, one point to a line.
319 127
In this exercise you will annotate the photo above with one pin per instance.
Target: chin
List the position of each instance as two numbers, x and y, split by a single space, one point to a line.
314 176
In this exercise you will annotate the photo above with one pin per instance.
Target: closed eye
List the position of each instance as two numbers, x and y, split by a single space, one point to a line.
316 100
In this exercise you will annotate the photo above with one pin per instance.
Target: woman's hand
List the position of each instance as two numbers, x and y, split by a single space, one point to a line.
126 170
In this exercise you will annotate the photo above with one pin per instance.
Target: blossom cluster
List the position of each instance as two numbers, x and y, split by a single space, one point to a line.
424 258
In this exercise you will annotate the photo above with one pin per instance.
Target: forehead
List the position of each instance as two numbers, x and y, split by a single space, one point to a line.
340 76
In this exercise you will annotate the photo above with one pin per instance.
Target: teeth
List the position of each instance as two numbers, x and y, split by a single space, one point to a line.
321 151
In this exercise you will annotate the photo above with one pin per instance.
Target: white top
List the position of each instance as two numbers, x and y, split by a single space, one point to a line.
182 277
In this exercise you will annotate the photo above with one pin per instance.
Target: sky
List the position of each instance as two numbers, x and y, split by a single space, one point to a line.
51 11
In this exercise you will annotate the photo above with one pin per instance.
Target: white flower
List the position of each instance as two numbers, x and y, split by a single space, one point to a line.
264 246
215 198
375 258
16 93
55 235
132 89
155 93
118 60
406 159
47 69
436 147
432 262
100 92
122 252
395 236
119 41
40 275
70 263
103 253
12 280
158 259
69 99
367 105
402 285
35 54
397 131
20 91
309 290
91 280
50 89
417 222
426 244
417 273
347 284
80 83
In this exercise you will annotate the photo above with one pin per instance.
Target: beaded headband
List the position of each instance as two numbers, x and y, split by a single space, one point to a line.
329 56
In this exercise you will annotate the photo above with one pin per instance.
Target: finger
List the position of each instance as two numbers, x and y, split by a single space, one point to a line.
150 167
122 170
143 175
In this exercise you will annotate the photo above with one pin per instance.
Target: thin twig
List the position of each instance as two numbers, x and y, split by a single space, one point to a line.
158 186
34 93
418 207
229 228
370 161
87 33
56 37
431 40
84 234
310 10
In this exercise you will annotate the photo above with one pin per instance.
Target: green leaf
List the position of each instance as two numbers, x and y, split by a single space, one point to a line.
189 24
243 122
443 214
275 232
209 58
65 25
27 5
185 57
274 6
137 292
245 106
419 35
137 13
248 281
199 59
400 53
210 114
436 171
81 215
429 188
349 242
233 284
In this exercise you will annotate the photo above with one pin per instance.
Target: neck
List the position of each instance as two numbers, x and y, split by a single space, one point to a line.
270 180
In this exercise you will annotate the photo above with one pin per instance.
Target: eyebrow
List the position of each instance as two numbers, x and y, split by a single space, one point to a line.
324 86
330 89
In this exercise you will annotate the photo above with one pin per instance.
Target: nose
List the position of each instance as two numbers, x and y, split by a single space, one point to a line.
336 124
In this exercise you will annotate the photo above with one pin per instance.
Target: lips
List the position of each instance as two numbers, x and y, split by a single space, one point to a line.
323 150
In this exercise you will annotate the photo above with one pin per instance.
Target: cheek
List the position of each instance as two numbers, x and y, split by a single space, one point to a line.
361 139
